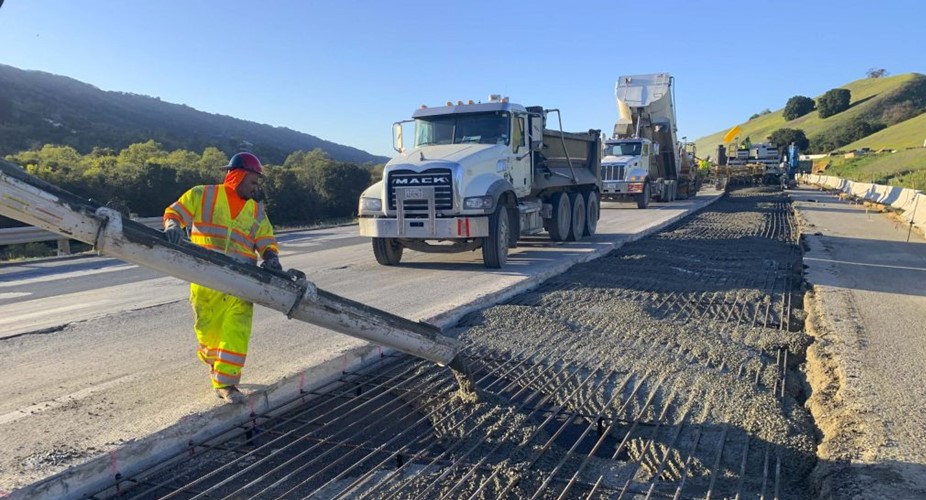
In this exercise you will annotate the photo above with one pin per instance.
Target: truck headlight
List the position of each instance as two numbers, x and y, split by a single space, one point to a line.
371 204
479 202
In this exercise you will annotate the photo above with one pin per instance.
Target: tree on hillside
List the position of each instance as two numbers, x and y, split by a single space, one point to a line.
833 101
212 159
876 72
288 200
837 137
140 153
899 112
783 138
797 107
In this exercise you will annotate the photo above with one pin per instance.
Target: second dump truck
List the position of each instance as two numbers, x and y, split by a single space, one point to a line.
478 176
644 160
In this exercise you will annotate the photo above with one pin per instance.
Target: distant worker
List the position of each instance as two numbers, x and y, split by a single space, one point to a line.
228 218
704 165
746 143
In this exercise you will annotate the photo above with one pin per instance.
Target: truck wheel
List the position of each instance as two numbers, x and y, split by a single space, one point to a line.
495 245
643 198
388 251
577 227
592 212
562 217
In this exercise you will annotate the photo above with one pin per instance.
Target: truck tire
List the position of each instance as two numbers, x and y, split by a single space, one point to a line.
592 212
577 226
495 245
559 225
388 251
643 198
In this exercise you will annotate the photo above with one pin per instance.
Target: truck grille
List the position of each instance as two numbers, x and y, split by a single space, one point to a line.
439 178
612 172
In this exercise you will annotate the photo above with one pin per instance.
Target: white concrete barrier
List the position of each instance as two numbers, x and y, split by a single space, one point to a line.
911 202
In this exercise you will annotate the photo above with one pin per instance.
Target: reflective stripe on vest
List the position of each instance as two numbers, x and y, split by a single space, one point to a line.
218 231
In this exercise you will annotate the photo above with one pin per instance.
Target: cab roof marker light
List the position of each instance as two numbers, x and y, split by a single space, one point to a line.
449 103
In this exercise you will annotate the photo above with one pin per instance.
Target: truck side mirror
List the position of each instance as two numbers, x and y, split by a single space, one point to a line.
397 138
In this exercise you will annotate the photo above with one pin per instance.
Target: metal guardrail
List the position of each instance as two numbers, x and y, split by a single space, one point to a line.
20 235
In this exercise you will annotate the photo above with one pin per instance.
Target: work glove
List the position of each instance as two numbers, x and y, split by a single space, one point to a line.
295 274
271 262
173 232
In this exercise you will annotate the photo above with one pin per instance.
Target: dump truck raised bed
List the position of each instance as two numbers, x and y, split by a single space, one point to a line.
643 160
480 176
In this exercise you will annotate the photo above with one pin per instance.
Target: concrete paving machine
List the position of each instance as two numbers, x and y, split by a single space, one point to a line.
28 199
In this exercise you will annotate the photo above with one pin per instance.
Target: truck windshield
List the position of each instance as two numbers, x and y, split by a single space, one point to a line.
477 128
622 149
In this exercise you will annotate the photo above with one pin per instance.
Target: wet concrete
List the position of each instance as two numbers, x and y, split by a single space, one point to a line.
671 365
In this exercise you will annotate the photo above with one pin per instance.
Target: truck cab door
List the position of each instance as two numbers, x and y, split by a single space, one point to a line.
519 162
646 154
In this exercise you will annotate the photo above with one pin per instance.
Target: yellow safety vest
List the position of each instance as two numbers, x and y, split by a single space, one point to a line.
205 210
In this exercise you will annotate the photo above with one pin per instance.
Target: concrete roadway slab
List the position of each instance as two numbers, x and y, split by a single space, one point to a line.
95 393
869 360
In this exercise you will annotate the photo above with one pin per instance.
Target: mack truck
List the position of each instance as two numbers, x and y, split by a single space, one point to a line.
481 176
643 160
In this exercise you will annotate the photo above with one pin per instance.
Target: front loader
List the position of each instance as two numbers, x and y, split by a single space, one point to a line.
28 199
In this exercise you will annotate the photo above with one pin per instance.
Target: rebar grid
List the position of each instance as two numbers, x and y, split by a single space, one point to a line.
398 430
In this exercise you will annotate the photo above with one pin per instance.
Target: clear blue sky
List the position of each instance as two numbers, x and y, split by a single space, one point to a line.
346 70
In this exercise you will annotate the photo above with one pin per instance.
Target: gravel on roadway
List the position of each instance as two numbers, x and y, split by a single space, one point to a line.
672 366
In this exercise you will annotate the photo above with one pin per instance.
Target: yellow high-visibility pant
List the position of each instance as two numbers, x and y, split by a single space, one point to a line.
222 324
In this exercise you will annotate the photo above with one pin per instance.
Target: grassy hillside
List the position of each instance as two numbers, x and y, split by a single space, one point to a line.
880 100
39 108
907 134
904 168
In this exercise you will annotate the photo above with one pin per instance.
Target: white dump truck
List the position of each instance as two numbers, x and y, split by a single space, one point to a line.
644 160
480 176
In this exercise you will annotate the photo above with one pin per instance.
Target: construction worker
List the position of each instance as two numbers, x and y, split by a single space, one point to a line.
228 218
704 165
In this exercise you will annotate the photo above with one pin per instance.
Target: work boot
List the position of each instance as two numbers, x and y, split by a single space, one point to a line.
230 394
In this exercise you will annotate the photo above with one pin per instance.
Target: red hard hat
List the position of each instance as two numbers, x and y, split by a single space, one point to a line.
246 161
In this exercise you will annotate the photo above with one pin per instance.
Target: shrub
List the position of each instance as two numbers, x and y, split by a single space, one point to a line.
797 107
900 112
833 101
783 138
836 138
29 250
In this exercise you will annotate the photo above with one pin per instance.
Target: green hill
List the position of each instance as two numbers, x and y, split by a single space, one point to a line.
907 134
38 108
905 168
890 102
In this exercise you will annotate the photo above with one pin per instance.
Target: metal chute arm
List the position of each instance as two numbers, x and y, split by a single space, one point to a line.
36 202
